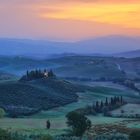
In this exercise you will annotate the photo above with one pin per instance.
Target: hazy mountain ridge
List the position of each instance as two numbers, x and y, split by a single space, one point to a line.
129 54
43 48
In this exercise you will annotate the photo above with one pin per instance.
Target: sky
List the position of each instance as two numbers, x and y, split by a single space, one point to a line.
69 20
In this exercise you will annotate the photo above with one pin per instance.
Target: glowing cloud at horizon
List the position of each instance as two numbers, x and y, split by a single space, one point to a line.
76 19
127 15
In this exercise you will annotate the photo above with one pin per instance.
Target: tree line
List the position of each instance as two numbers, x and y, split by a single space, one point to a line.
103 106
37 74
108 104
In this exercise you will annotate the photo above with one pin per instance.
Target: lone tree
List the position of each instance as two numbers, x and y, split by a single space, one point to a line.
48 124
78 123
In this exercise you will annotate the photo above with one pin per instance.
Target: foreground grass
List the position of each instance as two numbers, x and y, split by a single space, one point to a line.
31 126
58 126
36 124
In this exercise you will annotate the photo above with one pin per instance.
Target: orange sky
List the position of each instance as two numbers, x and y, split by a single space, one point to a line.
69 20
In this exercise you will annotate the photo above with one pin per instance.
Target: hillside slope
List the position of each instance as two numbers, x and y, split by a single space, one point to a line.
6 76
19 98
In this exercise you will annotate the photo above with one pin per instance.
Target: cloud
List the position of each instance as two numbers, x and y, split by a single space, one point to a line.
65 1
126 15
68 19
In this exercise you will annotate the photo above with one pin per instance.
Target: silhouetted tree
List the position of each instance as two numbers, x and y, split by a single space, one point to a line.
106 102
50 73
118 99
97 107
78 122
36 74
45 70
27 73
48 124
112 101
121 100
97 104
101 105
115 100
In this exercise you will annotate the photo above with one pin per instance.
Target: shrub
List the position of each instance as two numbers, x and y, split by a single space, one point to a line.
67 138
46 137
135 135
2 113
4 135
78 122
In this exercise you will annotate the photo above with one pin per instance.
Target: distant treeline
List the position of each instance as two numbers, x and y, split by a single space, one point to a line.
122 81
37 74
128 83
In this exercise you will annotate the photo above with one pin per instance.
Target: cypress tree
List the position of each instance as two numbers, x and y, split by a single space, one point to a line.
115 100
27 73
36 73
45 70
48 124
101 105
97 104
50 73
121 100
112 101
118 99
106 102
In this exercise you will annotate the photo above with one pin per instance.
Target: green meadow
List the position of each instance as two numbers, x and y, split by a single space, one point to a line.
37 123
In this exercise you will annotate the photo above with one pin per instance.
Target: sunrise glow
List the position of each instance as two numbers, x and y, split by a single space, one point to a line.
76 19
127 15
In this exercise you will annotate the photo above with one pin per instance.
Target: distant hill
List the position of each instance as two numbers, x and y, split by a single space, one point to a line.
6 76
83 67
88 68
26 98
31 48
19 65
110 44
129 54
45 49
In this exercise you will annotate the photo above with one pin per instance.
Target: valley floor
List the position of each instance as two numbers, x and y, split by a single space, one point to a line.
37 123
31 125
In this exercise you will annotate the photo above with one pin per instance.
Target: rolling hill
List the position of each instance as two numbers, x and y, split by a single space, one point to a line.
87 67
95 68
6 76
129 54
26 98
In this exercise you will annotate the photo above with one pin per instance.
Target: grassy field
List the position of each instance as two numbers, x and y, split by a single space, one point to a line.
134 125
128 110
37 123
76 66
